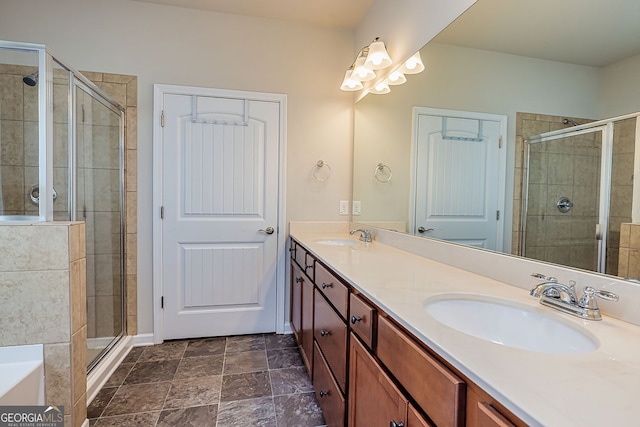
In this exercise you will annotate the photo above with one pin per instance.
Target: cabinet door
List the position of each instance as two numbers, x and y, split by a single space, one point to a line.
373 398
307 325
415 419
330 333
297 277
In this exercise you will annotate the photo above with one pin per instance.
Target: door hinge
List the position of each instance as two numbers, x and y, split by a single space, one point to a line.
500 142
162 119
162 302
161 212
497 215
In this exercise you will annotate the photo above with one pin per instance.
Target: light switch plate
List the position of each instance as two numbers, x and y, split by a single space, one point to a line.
356 209
344 207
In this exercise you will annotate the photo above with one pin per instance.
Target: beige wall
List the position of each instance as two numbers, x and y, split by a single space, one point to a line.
161 44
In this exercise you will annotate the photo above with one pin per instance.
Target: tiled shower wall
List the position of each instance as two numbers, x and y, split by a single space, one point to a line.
19 168
571 168
42 290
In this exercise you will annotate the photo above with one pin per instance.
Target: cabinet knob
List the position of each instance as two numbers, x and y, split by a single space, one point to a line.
355 319
324 333
306 267
292 249
298 279
327 285
392 423
323 393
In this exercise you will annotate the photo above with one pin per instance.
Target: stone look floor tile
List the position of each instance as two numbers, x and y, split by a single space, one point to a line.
198 367
135 398
152 372
249 412
100 402
191 388
170 350
117 378
205 347
248 361
241 343
245 386
197 416
284 358
194 392
290 381
131 420
298 410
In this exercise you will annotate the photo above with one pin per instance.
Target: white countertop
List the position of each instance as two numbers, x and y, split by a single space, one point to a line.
592 389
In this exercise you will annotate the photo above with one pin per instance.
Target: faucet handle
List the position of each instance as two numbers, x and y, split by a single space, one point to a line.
543 277
588 299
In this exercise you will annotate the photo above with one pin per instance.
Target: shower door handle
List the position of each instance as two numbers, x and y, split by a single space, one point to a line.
268 230
598 232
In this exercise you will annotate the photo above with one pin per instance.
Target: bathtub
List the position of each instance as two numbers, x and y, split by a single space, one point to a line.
22 375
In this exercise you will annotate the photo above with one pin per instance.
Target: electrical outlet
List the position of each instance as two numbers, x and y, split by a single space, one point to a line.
356 209
344 207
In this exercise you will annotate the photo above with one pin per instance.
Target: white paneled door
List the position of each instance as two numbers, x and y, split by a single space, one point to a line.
220 215
458 178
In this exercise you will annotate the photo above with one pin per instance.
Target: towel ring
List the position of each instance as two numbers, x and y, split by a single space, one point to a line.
318 168
380 174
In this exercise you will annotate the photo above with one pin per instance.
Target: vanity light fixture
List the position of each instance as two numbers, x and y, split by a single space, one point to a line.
381 88
396 78
370 58
413 65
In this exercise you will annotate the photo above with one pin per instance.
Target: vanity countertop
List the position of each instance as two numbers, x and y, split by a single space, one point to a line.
591 389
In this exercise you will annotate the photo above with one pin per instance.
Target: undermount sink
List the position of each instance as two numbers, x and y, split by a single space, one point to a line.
509 324
338 242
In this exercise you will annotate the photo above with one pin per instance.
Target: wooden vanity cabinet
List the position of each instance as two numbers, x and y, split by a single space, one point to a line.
484 411
301 309
330 333
362 318
434 387
374 399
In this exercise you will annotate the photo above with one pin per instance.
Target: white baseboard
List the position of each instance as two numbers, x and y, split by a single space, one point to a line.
143 340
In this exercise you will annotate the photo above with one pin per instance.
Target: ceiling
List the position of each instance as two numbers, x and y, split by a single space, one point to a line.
329 13
586 32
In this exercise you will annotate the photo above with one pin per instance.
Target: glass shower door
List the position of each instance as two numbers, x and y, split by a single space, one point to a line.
98 203
565 211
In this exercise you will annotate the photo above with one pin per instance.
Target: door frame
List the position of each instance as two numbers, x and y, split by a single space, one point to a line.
159 90
502 162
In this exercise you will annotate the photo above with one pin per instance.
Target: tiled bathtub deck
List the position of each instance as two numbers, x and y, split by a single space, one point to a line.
253 380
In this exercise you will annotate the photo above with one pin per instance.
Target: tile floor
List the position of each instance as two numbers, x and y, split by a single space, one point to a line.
252 380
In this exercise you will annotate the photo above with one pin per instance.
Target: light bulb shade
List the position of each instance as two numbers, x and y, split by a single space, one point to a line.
361 72
413 65
377 58
380 89
396 78
349 84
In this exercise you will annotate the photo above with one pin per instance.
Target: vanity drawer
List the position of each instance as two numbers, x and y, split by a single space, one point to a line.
330 333
327 392
436 389
335 291
362 319
488 416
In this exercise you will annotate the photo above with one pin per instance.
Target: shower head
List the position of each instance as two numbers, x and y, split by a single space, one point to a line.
569 121
31 79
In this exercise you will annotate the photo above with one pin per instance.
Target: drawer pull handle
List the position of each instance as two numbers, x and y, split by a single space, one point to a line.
306 267
323 393
292 249
355 319
327 285
325 333
298 279
395 424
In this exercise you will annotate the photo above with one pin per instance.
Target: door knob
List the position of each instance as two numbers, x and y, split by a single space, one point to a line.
421 229
268 230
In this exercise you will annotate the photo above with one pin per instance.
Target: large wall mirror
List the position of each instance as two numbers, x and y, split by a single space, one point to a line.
503 72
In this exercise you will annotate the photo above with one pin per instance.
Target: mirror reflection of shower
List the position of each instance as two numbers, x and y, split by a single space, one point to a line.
566 218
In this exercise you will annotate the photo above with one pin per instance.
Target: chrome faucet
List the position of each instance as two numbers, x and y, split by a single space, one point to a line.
365 235
562 297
